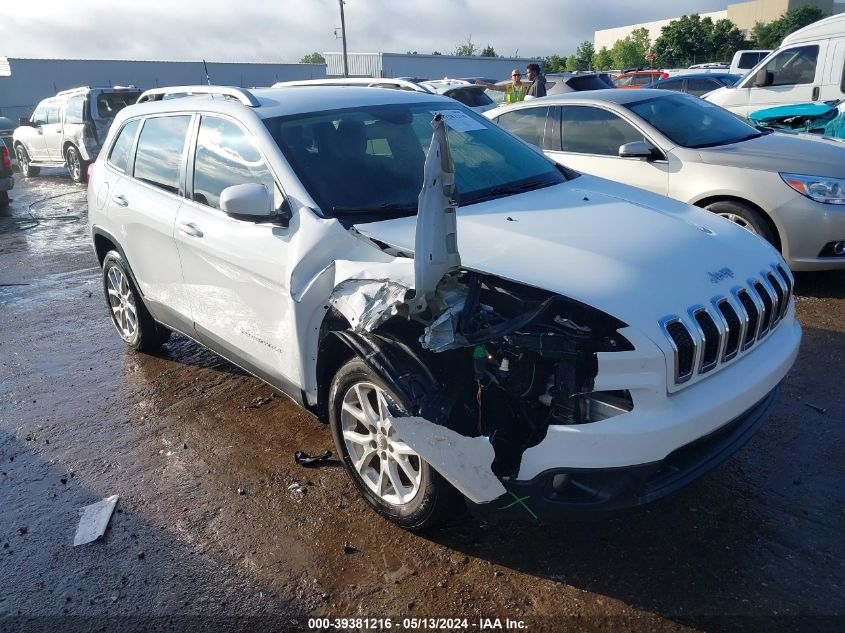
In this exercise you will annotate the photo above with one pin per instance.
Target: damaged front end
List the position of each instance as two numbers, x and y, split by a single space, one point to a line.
485 365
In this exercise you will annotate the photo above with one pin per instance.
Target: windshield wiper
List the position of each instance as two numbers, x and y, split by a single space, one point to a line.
730 142
387 207
508 190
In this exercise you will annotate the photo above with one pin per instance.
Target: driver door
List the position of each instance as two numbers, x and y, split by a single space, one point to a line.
33 134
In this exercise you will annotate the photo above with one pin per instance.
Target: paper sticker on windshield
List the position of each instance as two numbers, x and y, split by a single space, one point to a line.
459 121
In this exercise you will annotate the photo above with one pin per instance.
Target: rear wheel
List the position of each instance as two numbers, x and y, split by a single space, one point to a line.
25 164
129 315
746 216
4 199
77 167
390 476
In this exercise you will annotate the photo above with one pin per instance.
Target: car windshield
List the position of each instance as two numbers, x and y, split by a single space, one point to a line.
367 162
692 122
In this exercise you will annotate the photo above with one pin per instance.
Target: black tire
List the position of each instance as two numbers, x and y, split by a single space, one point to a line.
4 199
435 498
746 216
140 331
76 166
23 162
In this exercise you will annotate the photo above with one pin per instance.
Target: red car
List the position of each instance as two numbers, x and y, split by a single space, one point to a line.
638 78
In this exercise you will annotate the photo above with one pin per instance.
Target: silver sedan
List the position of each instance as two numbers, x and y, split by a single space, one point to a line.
788 189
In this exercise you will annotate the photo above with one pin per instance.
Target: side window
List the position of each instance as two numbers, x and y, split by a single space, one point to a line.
53 113
39 117
672 84
747 61
794 66
642 80
623 81
226 156
74 109
527 123
698 87
120 151
158 160
588 130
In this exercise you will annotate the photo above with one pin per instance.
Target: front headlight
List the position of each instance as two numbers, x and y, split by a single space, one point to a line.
819 188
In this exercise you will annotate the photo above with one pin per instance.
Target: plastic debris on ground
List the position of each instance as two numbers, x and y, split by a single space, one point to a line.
94 521
306 459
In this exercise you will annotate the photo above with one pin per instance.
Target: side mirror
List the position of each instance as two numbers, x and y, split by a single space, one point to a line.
248 201
23 121
763 78
638 149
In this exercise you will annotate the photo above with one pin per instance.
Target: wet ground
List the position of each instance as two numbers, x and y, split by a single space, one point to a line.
207 533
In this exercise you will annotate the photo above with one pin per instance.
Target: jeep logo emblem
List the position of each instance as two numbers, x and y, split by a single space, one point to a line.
719 275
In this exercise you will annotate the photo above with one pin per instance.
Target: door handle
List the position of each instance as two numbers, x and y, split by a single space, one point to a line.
120 200
815 93
58 131
190 229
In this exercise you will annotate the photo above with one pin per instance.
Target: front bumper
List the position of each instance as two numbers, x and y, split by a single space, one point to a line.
806 227
584 493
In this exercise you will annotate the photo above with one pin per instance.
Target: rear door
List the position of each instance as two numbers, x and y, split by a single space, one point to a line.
53 130
590 140
144 208
234 270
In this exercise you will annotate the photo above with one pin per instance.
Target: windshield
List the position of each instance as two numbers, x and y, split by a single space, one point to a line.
368 162
692 122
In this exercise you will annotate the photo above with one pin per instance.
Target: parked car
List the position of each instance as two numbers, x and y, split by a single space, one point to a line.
787 189
470 94
7 180
809 66
745 60
500 349
68 129
7 127
561 83
638 78
696 84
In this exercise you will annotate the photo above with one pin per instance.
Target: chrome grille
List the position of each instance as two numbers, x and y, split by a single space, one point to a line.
711 336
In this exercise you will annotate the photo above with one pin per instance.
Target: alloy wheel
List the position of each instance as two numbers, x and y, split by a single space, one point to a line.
23 159
73 165
739 221
122 303
386 464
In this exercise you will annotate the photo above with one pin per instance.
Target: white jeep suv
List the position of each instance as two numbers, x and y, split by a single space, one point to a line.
476 323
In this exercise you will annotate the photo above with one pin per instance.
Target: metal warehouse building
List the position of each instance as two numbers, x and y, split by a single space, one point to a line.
25 82
425 66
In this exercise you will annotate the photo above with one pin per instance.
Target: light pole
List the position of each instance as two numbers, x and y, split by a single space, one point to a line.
343 34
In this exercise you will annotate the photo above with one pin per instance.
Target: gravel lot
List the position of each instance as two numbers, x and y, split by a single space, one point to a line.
208 535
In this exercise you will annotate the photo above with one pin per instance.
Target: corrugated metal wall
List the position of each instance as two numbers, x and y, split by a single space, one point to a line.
32 80
426 66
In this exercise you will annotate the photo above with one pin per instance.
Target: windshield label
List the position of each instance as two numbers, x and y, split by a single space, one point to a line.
459 121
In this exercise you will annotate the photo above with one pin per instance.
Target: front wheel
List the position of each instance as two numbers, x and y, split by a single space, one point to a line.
744 215
390 476
77 168
129 315
25 164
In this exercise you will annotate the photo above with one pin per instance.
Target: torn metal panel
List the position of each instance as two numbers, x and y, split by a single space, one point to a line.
368 304
94 521
464 461
436 240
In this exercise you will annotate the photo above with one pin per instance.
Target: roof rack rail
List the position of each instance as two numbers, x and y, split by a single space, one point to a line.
241 94
377 82
71 90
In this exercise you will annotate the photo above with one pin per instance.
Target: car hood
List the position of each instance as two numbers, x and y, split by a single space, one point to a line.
633 254
797 154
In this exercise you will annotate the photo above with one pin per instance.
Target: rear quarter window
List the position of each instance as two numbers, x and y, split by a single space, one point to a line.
122 148
161 147
75 110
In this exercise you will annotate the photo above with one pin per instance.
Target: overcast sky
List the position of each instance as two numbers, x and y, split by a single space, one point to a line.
285 30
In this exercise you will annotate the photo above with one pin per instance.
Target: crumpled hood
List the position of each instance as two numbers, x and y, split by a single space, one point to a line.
635 255
796 154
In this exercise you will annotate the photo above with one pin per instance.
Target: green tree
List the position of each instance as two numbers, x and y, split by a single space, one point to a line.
313 58
602 60
466 49
726 39
642 39
571 63
771 35
488 52
627 53
687 40
584 55
555 64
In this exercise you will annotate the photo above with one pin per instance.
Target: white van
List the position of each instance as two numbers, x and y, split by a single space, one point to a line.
808 66
743 61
